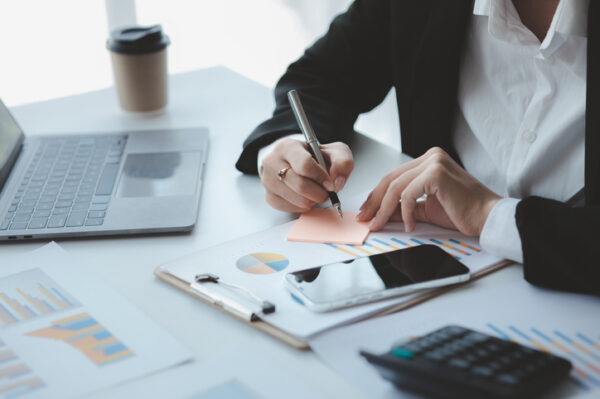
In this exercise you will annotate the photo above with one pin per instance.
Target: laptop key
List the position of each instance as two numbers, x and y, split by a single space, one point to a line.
76 218
101 199
63 204
96 214
61 211
57 220
107 179
4 225
81 206
38 223
43 206
98 207
18 226
94 222
41 214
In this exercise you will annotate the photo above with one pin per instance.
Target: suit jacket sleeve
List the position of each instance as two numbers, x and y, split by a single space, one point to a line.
561 248
346 72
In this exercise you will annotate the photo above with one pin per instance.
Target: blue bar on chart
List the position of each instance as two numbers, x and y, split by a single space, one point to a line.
16 377
382 245
446 245
401 242
464 244
586 364
29 295
393 247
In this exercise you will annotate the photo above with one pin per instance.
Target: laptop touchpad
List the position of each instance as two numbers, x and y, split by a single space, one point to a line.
160 174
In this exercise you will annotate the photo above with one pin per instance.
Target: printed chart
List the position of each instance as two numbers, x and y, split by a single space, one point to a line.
29 295
580 349
262 263
373 246
16 378
85 334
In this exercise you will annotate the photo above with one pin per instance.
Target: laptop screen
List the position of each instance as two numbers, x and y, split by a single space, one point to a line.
11 138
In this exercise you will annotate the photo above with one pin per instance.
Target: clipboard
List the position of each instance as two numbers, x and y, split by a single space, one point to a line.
256 322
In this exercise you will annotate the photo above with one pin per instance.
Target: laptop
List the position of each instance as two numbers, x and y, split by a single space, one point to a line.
98 184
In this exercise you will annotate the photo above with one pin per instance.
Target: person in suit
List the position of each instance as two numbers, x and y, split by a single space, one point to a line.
498 104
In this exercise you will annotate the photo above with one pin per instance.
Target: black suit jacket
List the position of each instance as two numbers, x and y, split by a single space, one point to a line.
416 46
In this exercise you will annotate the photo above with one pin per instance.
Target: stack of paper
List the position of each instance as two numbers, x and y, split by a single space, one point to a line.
64 333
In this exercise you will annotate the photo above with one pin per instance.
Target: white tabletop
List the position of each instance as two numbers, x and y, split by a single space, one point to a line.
232 205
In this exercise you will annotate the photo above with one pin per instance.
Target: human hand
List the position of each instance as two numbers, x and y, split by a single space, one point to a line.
305 183
454 198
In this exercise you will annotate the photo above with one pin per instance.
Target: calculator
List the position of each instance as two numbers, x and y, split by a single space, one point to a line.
461 363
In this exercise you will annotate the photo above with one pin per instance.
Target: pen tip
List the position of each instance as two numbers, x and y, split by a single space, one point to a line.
339 211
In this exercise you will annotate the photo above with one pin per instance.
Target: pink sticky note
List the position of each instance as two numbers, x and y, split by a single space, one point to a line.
325 225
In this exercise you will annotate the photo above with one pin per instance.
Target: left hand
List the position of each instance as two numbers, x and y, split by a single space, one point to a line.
454 198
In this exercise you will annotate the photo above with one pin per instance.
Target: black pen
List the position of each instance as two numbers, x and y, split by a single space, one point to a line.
312 141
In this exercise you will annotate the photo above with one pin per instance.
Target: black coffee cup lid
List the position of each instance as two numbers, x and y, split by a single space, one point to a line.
137 40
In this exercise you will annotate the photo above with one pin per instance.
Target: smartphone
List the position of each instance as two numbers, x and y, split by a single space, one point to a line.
376 277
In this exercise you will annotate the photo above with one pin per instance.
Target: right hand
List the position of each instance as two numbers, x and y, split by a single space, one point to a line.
306 183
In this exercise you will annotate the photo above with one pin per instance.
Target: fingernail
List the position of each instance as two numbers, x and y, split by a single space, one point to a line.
371 224
339 183
362 207
328 186
360 215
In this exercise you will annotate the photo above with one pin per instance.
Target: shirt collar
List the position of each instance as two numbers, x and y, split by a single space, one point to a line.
505 24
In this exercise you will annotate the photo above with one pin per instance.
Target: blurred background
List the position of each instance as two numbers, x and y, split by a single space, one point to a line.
57 48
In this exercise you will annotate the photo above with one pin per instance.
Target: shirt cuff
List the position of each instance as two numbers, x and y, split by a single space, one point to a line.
263 152
500 235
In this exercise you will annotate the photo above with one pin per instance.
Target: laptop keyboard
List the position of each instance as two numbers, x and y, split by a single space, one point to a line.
68 183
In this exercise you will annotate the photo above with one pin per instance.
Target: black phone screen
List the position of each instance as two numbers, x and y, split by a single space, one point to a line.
372 274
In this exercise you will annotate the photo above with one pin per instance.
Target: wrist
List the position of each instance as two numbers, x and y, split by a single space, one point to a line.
486 209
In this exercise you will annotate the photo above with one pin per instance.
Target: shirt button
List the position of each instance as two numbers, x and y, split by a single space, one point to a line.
529 136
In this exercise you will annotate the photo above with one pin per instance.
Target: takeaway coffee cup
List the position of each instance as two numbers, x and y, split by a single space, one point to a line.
139 60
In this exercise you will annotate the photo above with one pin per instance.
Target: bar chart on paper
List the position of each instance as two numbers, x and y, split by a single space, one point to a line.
375 245
16 378
30 295
85 334
581 349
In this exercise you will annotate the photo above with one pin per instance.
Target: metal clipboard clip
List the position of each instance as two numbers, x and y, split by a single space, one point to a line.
228 304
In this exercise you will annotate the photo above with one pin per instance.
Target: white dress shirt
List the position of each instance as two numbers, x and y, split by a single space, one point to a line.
521 123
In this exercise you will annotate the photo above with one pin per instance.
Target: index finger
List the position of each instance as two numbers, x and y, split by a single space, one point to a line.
374 201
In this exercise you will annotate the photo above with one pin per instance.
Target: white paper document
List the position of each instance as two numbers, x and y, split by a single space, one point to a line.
562 323
64 333
258 262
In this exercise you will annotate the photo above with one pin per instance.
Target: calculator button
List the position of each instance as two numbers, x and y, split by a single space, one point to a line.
482 353
455 330
507 379
402 353
483 371
460 363
494 365
435 355
476 337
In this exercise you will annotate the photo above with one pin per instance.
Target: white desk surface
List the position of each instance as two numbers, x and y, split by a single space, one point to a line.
232 205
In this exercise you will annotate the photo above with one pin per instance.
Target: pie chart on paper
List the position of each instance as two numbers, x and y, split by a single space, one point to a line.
262 263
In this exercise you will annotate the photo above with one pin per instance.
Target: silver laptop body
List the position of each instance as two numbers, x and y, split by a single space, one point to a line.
98 184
